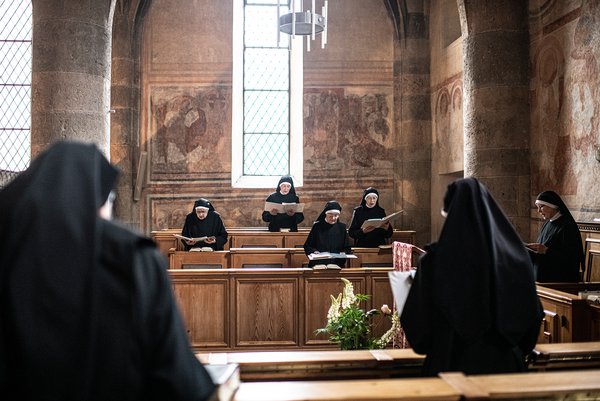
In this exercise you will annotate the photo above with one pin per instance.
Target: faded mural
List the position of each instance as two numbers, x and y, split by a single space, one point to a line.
346 131
565 111
188 127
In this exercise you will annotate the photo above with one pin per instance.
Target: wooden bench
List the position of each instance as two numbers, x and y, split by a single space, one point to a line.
320 365
449 386
259 258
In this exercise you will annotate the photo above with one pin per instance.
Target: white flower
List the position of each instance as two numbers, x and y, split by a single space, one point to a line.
385 309
348 298
333 314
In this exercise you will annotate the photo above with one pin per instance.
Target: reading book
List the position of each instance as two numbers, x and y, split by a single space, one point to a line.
376 223
284 207
330 255
202 249
197 239
327 266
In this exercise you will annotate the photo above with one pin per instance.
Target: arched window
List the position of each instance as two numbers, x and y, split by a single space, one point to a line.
15 85
267 97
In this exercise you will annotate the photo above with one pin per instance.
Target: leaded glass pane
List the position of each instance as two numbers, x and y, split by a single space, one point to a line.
284 3
260 27
266 112
266 154
266 69
15 84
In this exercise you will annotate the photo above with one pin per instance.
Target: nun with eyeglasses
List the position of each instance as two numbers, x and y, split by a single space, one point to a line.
204 221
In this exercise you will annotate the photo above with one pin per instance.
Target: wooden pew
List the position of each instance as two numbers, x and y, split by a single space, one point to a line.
568 318
372 257
590 237
199 260
268 309
260 258
566 356
246 237
449 386
320 365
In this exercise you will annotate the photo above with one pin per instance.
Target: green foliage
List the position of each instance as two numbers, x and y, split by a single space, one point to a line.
348 324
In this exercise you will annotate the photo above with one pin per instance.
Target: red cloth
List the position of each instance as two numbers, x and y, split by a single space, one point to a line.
402 256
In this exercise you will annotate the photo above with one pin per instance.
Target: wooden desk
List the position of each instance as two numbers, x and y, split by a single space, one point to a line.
524 386
268 309
568 318
566 356
259 258
320 365
199 260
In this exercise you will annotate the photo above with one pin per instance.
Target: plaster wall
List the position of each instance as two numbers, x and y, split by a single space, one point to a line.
565 104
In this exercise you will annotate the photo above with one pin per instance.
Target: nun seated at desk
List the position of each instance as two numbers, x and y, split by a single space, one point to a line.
328 234
204 221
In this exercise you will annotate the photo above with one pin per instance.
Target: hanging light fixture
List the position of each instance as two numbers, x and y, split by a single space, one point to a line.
304 23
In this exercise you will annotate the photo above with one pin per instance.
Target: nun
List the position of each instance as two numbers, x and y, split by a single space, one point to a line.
473 305
88 312
204 221
284 193
328 234
558 251
369 237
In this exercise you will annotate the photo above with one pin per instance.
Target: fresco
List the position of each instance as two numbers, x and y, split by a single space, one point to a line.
346 131
188 127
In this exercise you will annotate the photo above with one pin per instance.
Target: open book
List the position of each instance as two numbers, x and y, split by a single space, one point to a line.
202 249
284 207
379 222
330 255
197 239
327 266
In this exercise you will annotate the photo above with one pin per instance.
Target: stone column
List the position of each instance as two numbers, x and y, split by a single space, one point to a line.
412 115
71 72
496 101
124 122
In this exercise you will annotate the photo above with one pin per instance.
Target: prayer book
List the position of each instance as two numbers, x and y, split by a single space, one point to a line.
401 282
197 239
226 378
202 249
284 207
327 266
331 255
380 222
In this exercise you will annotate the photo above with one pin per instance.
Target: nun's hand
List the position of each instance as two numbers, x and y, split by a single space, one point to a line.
190 242
368 229
290 212
210 240
273 212
537 247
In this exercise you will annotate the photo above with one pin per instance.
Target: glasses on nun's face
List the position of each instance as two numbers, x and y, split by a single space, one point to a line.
371 200
331 218
284 188
201 213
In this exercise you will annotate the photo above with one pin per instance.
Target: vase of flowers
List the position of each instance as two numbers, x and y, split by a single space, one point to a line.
350 326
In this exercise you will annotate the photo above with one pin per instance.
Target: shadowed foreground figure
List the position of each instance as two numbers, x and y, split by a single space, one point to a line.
473 305
86 307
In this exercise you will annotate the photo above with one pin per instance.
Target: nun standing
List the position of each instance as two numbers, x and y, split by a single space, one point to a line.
558 252
284 193
203 221
328 235
369 208
473 305
88 312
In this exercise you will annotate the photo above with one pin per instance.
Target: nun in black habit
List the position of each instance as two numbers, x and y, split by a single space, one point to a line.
86 306
473 305
558 252
204 221
284 193
369 209
328 235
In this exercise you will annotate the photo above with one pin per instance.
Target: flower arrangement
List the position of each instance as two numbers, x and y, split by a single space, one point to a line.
350 326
